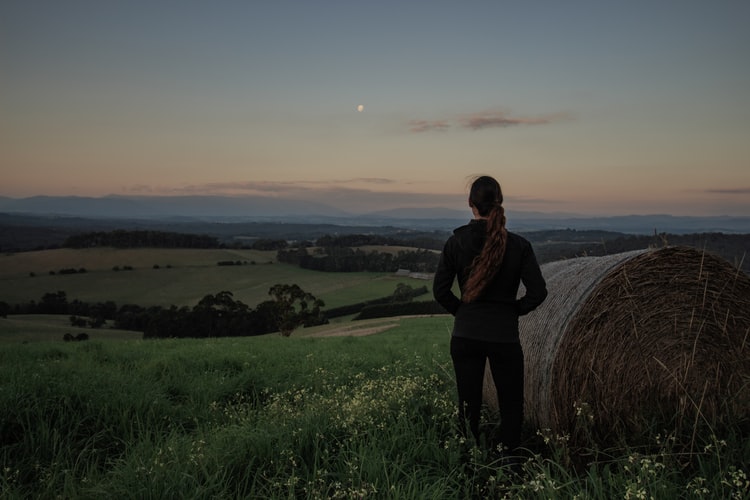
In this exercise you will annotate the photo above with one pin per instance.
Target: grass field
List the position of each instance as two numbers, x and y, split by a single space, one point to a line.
183 277
48 327
363 413
26 328
360 409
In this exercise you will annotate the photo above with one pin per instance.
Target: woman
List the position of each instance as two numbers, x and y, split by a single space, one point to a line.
489 263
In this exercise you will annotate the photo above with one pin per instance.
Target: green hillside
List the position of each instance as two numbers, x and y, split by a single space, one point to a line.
356 416
179 277
50 327
44 327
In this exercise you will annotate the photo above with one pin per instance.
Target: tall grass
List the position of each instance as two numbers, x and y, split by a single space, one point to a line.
301 417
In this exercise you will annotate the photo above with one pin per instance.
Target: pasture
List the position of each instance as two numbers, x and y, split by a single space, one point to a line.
347 410
369 414
183 277
49 327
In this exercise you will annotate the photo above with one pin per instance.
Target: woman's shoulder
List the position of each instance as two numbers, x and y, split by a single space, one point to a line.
518 239
468 236
472 227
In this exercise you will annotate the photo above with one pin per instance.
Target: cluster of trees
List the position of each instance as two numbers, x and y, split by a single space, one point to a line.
340 254
351 240
403 294
58 303
400 309
69 270
69 337
221 315
269 244
401 303
82 313
83 322
347 259
360 240
137 239
214 316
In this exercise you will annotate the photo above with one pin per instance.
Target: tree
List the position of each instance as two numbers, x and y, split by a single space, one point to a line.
295 308
403 293
269 244
54 303
220 315
77 321
168 323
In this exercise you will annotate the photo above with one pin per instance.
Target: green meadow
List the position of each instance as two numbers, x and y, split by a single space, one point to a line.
41 327
364 413
165 277
360 409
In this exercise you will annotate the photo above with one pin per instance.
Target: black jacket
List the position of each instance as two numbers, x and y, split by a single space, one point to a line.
494 315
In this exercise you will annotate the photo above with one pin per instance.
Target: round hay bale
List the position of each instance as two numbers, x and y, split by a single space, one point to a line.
651 333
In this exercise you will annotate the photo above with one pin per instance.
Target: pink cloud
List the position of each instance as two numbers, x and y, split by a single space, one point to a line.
425 125
730 191
501 119
485 119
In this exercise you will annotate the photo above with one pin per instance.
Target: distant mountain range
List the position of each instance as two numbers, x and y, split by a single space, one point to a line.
239 209
166 206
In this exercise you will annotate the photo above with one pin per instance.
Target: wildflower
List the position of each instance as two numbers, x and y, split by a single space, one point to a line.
697 486
737 478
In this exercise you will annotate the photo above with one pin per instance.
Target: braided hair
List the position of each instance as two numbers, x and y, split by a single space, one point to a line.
487 197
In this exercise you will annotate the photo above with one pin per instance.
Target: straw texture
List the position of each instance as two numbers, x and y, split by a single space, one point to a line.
647 333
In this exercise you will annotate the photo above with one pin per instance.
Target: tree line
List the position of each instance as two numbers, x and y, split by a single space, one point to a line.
139 239
403 294
121 238
338 253
347 259
360 240
218 315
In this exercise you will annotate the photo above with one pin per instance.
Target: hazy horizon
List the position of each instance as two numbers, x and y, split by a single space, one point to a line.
576 107
249 207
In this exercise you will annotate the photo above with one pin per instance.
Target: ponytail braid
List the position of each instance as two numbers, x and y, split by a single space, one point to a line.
487 263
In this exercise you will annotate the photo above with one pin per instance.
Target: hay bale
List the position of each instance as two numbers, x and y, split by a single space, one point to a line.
655 333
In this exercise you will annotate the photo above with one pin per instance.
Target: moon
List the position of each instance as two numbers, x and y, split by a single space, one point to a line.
361 108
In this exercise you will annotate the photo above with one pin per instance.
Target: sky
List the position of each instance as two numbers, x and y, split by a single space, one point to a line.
588 107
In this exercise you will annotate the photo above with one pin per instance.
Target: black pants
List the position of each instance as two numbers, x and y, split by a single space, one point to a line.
506 364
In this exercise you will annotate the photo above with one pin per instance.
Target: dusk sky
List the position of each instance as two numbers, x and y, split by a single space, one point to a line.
591 107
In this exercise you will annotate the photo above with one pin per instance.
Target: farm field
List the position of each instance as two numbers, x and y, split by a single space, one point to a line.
183 277
352 409
48 327
25 328
362 411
